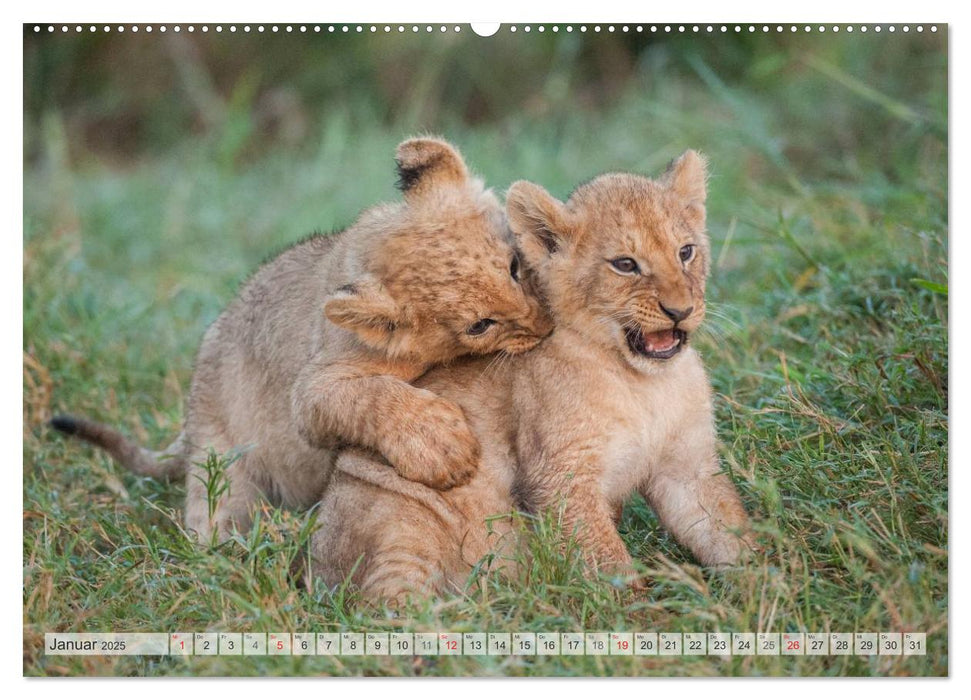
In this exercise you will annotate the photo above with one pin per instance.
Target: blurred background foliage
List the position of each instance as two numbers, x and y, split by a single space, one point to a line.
151 147
122 96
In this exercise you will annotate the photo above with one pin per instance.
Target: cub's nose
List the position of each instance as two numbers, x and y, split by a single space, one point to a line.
676 315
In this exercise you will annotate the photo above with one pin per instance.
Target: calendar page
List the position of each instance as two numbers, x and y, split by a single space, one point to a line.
473 350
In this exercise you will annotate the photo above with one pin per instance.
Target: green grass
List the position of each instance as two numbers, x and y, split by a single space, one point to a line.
827 347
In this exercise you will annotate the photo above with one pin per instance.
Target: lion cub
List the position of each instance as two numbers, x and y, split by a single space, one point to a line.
396 537
614 401
320 345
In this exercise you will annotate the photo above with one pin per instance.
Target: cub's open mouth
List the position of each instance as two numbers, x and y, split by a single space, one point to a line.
660 345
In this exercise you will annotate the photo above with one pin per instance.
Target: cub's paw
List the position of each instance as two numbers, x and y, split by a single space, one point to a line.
434 445
727 550
752 546
611 561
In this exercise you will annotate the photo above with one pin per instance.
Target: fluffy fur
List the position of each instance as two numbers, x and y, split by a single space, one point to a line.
318 349
614 401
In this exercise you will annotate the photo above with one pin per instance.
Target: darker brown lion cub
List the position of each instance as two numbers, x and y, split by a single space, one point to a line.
319 347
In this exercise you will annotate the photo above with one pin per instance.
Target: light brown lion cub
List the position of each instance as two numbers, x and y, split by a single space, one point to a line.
616 400
613 401
320 345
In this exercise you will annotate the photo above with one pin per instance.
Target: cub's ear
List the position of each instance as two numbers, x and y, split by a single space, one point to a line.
538 220
366 309
686 177
425 163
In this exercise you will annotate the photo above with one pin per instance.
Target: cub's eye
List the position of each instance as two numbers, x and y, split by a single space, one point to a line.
626 266
480 326
686 253
514 268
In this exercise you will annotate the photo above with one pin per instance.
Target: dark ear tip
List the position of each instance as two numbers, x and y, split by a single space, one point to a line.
425 156
64 424
408 175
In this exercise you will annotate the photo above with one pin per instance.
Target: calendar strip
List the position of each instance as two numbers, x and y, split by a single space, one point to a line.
723 644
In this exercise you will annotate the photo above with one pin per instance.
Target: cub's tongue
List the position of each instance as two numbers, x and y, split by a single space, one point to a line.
660 341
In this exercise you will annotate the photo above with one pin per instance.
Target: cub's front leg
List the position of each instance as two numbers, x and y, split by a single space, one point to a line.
696 503
426 438
569 484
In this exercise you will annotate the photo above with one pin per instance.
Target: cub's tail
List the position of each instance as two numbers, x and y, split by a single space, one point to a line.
166 464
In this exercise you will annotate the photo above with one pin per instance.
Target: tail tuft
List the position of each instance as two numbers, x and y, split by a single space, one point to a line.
166 464
65 424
